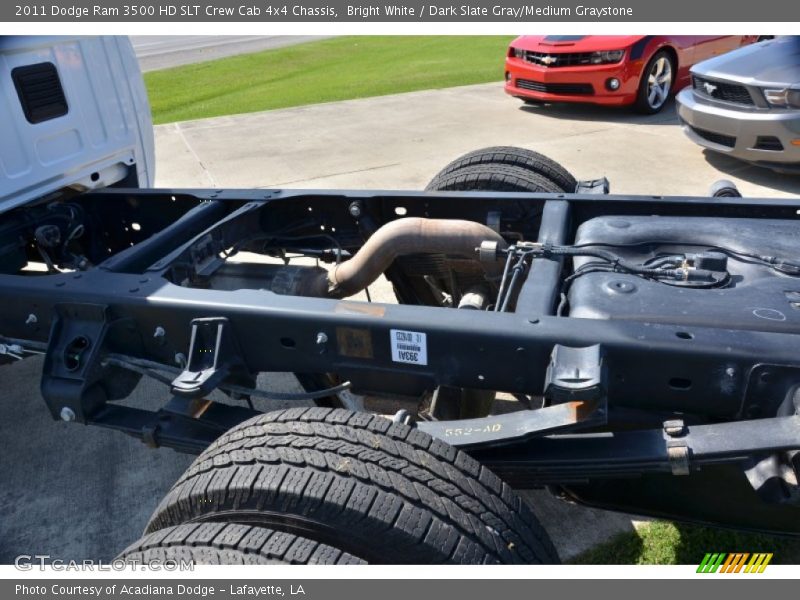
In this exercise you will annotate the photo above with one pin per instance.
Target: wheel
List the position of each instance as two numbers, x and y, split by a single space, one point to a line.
724 188
380 491
656 84
498 169
232 544
532 161
494 178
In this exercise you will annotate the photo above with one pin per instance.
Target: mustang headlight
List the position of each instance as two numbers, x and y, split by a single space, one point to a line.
607 57
782 98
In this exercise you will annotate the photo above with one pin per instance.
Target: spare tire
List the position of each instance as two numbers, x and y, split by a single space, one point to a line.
231 544
512 157
382 491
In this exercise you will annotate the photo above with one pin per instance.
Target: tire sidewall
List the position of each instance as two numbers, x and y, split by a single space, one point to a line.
642 105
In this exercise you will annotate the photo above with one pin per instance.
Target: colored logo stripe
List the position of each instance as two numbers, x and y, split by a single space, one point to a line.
758 563
734 562
710 563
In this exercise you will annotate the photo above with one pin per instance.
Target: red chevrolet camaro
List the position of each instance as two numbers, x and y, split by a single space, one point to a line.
638 70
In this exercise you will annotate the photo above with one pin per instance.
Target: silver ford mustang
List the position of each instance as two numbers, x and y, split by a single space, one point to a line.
746 104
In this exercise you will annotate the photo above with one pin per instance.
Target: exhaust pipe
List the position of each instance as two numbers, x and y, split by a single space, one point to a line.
411 235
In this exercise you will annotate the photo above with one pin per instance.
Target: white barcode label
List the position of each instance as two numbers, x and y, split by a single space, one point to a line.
409 347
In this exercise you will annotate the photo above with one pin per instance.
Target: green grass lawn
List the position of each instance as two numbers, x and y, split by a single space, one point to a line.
324 71
663 543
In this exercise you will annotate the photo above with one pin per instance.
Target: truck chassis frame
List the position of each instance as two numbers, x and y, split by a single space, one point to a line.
664 414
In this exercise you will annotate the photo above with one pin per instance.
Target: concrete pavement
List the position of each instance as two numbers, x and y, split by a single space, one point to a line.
75 492
401 141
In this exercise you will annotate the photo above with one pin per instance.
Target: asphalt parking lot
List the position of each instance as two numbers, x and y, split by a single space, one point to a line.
74 492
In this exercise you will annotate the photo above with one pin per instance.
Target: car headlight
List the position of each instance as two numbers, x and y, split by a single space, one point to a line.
783 98
607 57
517 52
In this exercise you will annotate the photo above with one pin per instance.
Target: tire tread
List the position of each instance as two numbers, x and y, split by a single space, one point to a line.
387 485
232 543
508 156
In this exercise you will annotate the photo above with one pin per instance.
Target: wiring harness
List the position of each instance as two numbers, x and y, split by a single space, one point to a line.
706 268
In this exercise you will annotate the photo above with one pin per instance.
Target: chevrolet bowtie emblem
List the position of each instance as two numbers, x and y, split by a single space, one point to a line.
710 87
549 60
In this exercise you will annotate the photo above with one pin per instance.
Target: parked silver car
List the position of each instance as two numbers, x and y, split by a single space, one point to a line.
746 104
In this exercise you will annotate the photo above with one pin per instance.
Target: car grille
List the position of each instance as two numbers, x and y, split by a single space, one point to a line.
727 92
716 138
556 88
561 59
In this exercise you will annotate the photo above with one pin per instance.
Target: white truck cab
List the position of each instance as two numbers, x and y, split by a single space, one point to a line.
74 116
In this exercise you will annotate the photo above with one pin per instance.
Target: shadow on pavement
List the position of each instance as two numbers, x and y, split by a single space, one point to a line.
752 173
74 492
609 114
70 491
576 529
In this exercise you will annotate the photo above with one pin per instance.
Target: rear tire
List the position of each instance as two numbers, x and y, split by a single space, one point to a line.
381 491
231 544
499 169
510 156
493 178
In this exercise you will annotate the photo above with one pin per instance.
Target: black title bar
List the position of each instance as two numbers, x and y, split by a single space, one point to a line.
265 11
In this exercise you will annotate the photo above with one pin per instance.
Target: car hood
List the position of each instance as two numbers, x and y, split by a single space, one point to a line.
574 43
774 62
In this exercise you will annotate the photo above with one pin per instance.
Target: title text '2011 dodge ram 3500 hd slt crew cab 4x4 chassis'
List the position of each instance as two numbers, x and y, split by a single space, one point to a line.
645 348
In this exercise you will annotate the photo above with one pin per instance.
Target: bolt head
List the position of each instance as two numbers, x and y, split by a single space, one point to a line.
674 428
67 414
